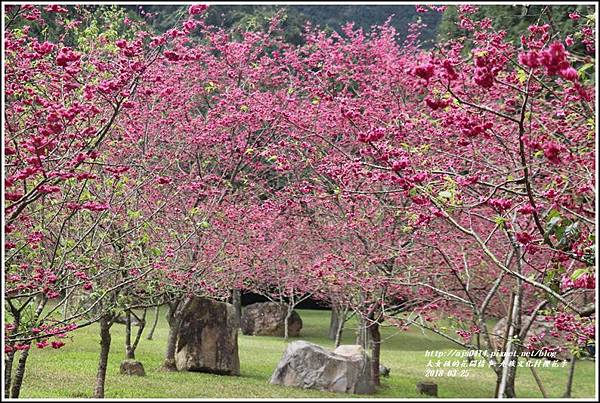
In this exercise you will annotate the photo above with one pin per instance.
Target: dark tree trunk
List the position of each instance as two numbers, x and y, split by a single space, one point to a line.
174 318
510 391
538 381
509 388
105 324
570 378
10 356
156 313
129 351
375 352
169 362
130 347
17 381
8 361
236 300
141 326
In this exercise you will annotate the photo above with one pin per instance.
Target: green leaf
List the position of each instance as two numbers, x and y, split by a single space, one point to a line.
134 214
499 220
522 76
582 69
551 214
144 239
578 273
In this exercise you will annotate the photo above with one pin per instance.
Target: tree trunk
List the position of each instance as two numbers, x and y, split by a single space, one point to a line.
334 322
500 371
375 352
130 347
169 363
510 390
340 330
538 381
8 361
105 324
509 365
236 300
286 323
362 335
156 313
570 378
141 326
17 381
174 318
129 352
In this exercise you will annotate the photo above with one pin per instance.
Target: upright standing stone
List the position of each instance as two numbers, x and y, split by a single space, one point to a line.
207 339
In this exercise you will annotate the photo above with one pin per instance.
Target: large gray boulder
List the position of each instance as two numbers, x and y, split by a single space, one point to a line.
207 338
268 319
542 330
306 365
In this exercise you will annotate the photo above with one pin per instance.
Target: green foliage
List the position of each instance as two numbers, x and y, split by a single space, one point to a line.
294 18
515 19
96 21
564 230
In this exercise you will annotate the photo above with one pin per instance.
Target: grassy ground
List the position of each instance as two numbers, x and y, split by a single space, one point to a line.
70 373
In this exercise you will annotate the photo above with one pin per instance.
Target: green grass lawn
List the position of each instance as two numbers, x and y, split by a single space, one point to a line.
70 372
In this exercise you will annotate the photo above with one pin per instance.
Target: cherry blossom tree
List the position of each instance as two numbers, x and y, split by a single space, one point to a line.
405 184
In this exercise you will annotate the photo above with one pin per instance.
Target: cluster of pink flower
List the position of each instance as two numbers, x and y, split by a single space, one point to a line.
524 238
487 68
95 206
400 164
437 103
66 55
473 128
466 335
197 9
55 8
374 134
554 59
43 48
425 71
500 204
585 280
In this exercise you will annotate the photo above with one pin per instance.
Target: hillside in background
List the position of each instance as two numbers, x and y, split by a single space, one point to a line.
333 17
251 17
